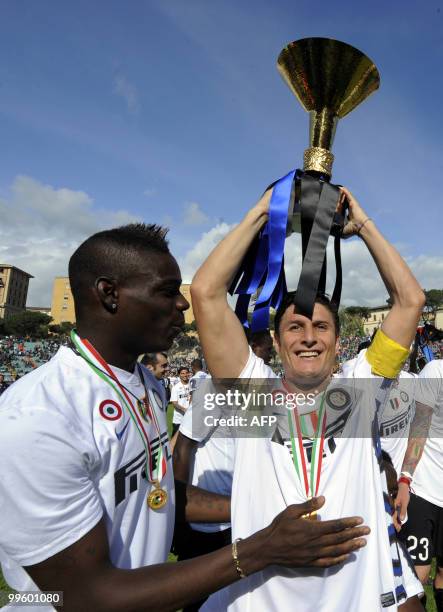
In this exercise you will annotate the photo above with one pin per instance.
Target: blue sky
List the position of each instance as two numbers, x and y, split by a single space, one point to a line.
173 111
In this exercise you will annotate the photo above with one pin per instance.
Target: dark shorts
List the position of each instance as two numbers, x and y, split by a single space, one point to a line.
423 531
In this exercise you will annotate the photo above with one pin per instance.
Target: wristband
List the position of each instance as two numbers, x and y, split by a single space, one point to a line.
360 226
406 475
240 572
405 480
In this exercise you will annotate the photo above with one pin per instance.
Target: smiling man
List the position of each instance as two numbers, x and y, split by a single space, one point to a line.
329 446
87 497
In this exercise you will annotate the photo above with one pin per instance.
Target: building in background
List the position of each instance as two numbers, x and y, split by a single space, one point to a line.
62 306
189 314
377 315
14 285
438 319
375 319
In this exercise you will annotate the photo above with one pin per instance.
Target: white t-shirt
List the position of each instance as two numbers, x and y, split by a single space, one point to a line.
428 475
397 414
69 456
213 461
182 394
265 483
193 381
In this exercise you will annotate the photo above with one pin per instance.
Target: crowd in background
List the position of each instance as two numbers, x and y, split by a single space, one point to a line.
18 356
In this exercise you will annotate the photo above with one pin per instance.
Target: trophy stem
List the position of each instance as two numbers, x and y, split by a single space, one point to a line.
318 157
322 126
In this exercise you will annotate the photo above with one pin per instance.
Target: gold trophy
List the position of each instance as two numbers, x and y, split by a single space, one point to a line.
329 78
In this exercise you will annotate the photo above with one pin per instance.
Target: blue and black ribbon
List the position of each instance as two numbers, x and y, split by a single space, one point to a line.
262 270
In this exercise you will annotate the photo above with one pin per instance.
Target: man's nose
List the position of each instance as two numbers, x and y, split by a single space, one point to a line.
309 336
182 303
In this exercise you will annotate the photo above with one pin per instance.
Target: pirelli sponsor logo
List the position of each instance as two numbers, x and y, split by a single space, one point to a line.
396 425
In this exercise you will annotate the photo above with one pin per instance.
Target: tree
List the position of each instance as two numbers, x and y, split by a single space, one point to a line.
28 323
359 311
434 300
351 321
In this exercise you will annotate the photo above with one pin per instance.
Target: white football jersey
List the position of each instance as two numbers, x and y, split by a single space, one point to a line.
213 461
428 475
182 394
193 381
265 483
70 455
397 414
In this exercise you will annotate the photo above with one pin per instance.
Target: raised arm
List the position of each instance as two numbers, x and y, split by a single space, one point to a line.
406 294
221 335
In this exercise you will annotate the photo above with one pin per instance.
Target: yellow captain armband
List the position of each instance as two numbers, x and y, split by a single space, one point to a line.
385 356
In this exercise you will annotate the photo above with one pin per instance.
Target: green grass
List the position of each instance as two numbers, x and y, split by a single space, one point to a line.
169 415
430 604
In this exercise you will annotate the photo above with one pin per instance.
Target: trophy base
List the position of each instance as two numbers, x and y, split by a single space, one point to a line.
318 159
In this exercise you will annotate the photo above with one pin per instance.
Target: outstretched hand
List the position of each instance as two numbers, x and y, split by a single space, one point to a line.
296 541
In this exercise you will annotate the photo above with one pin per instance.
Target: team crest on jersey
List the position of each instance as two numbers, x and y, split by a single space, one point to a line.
338 399
110 410
404 396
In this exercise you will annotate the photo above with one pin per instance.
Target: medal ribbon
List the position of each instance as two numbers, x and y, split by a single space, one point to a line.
92 358
311 484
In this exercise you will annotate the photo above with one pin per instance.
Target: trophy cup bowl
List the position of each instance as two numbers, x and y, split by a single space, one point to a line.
329 78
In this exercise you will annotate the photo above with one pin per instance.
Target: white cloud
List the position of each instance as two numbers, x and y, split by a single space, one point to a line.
193 214
361 281
124 88
41 228
196 256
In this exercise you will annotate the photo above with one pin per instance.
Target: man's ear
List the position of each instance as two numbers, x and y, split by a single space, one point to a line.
337 345
107 293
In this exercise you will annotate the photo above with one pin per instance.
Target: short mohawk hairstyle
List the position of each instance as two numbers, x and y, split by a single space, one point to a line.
112 253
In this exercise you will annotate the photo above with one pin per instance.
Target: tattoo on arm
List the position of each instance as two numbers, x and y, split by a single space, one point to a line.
418 434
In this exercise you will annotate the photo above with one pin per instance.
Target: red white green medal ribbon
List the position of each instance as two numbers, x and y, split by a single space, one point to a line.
309 482
102 369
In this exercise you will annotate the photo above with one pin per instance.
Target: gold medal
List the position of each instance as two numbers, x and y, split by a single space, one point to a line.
157 498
